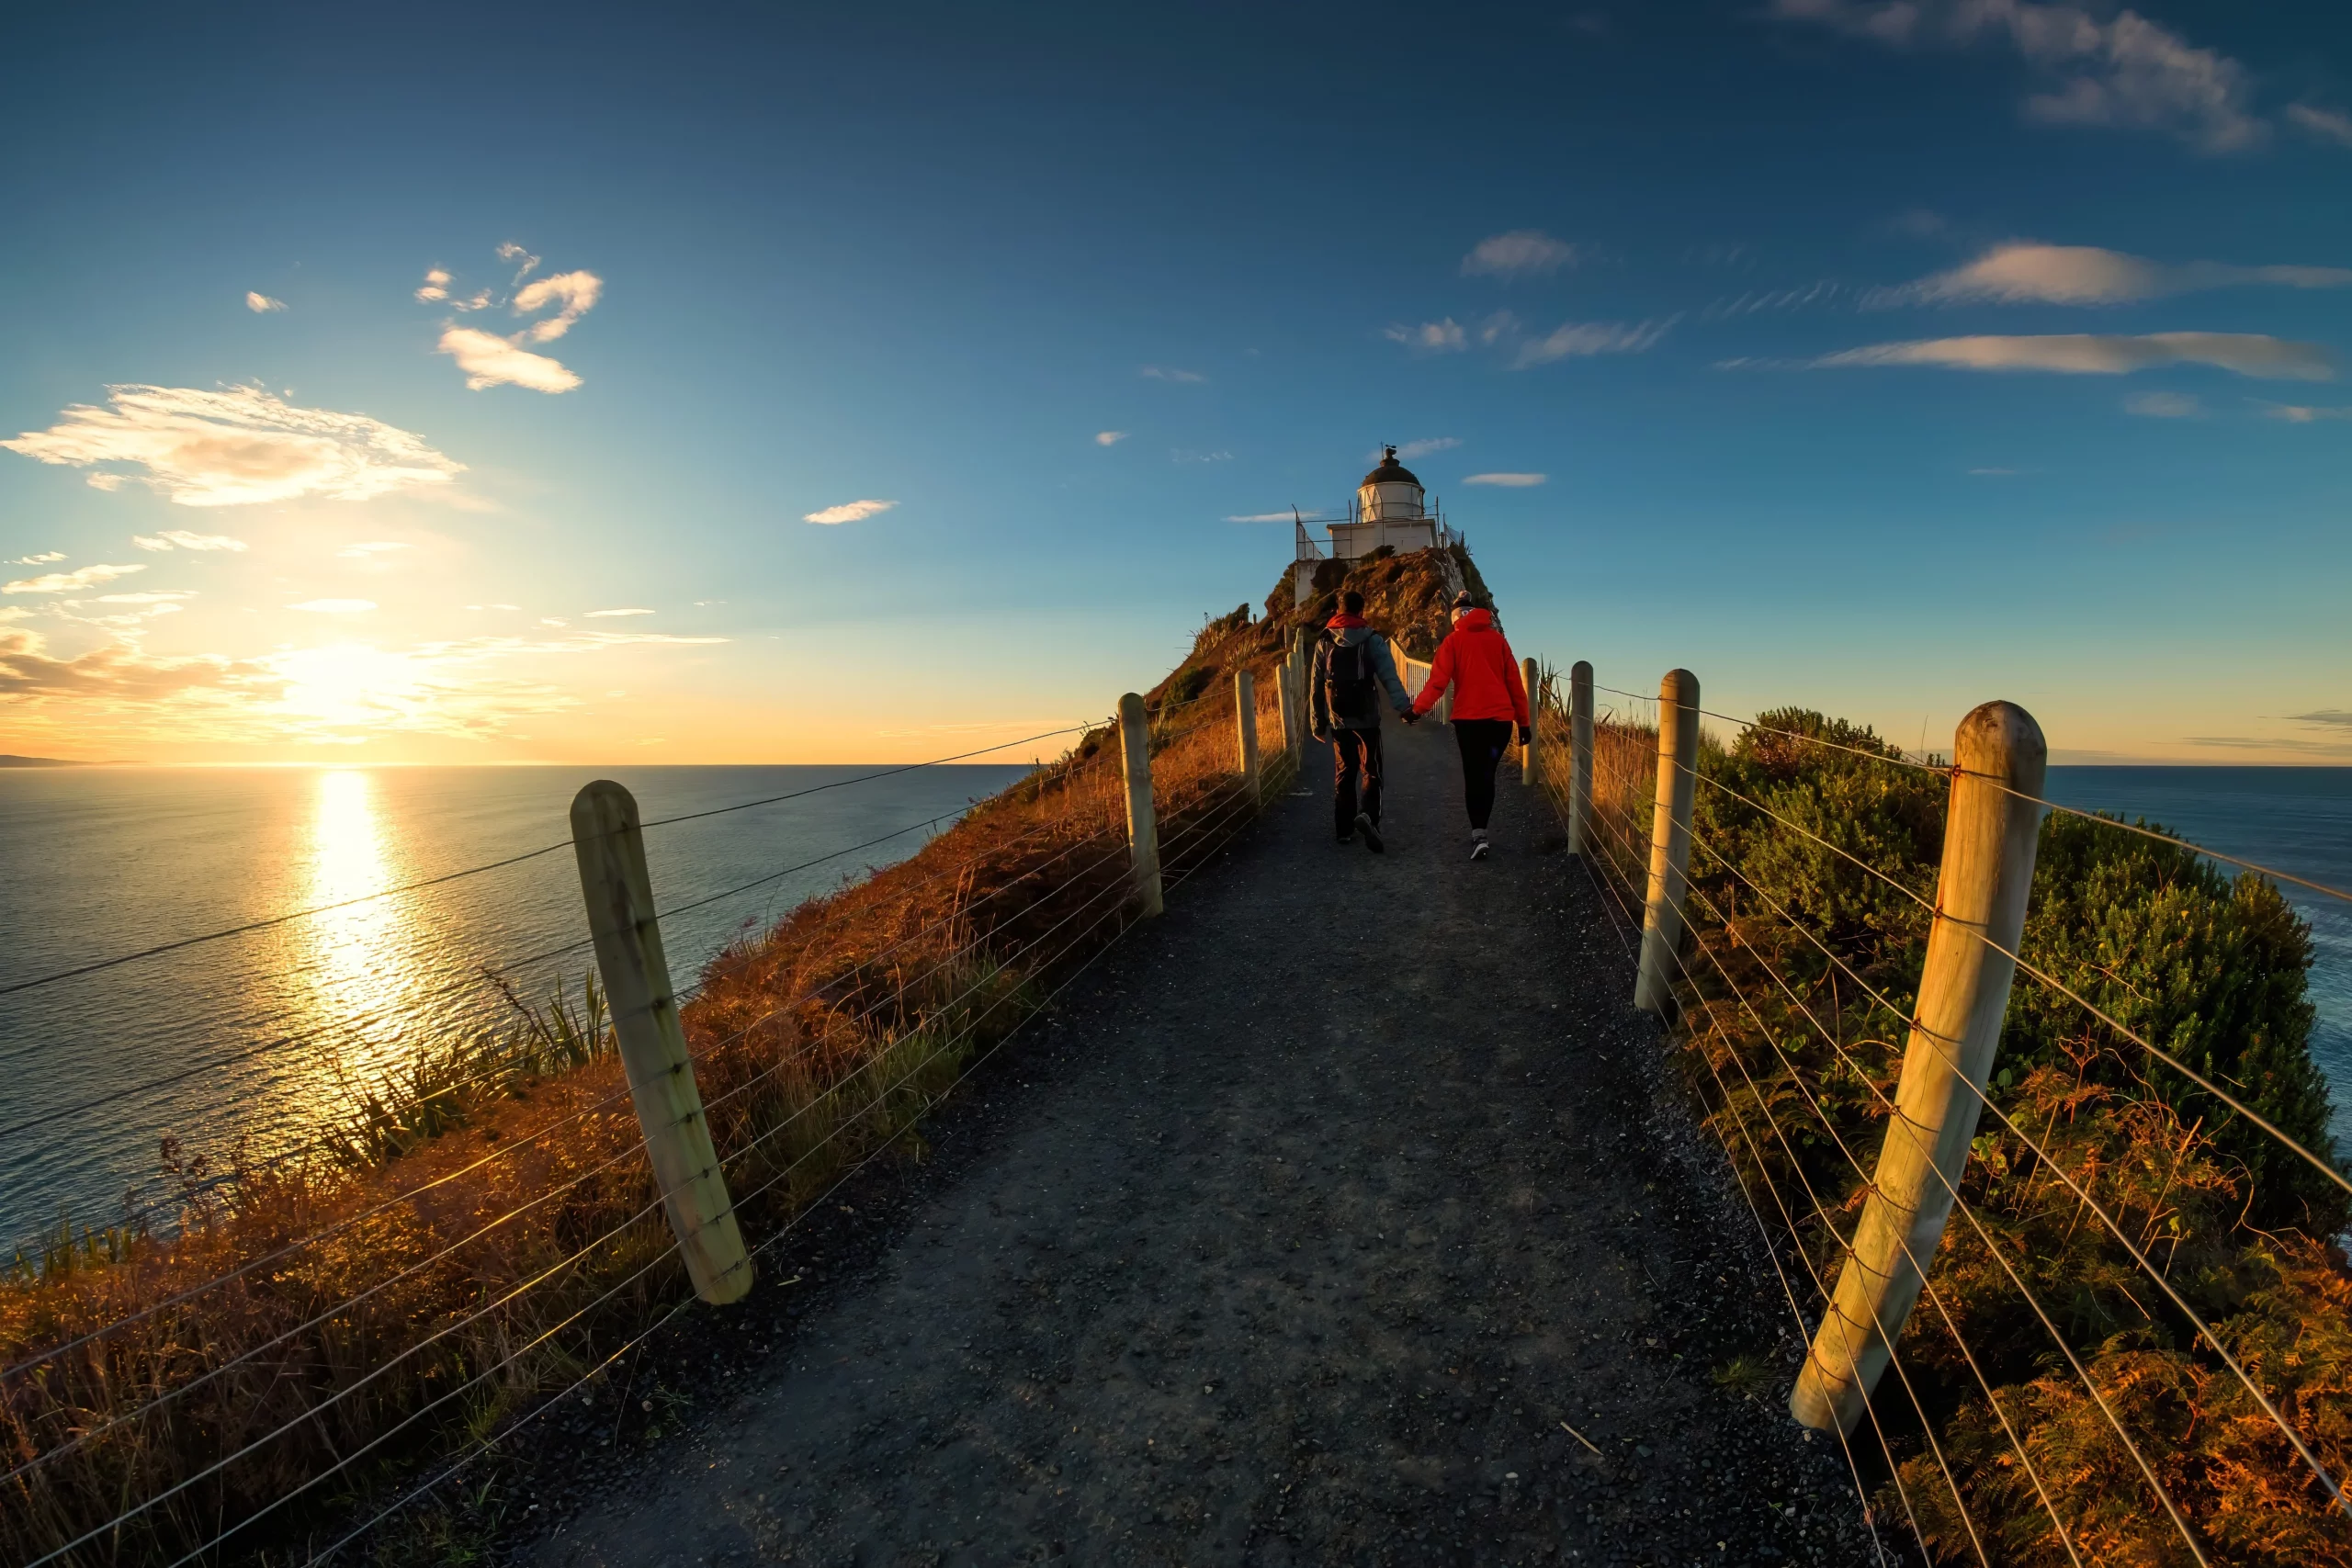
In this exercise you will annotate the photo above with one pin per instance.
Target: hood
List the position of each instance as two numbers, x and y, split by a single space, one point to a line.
1476 621
1342 621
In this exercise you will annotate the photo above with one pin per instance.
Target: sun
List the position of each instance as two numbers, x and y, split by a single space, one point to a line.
351 685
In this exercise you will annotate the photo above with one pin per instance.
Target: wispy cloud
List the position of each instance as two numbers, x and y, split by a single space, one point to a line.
1262 518
367 550
334 606
849 511
2124 72
489 360
1577 340
236 447
155 596
118 672
1108 437
69 581
2325 125
2336 718
2304 414
41 559
434 287
1827 291
2092 354
2024 272
2164 405
1520 254
1412 449
1509 482
183 539
262 304
1166 373
1194 454
630 610
1433 337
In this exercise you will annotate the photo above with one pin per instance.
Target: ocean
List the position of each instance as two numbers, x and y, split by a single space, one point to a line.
254 1039
2297 819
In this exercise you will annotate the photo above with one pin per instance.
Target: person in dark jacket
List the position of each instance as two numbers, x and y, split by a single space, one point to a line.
1488 697
1352 668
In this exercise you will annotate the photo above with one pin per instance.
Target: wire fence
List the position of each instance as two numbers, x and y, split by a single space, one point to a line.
400 1293
2133 1346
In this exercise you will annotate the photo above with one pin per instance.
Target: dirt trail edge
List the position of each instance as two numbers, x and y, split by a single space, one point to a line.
1303 1232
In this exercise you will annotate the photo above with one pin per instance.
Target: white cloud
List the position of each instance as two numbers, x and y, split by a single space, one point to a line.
849 511
69 581
489 360
158 596
182 538
2022 272
510 251
42 560
366 549
1108 437
1412 449
576 292
1509 481
632 610
237 447
2294 414
2127 72
1576 340
1263 517
334 606
1163 373
261 304
437 286
2091 354
2165 405
2325 125
1517 255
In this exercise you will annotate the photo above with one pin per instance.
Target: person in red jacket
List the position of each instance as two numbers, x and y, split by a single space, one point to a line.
1488 698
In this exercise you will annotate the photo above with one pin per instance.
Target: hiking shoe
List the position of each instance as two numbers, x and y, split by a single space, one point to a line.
1478 849
1369 831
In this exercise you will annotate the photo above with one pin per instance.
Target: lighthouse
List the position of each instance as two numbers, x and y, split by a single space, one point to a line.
1390 510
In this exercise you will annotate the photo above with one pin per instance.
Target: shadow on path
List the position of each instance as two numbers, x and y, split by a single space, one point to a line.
1295 1237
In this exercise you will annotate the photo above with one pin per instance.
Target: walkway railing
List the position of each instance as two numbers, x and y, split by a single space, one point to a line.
2135 1347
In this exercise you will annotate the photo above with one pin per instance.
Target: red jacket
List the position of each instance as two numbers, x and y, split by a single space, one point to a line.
1478 662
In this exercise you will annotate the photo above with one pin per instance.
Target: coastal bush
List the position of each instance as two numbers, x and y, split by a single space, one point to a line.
1815 850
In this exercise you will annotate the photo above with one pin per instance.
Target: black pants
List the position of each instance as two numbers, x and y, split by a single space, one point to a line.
1483 743
1355 765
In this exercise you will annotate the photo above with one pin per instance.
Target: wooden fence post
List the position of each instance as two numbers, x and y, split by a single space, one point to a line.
1245 727
610 848
1990 836
1678 759
1288 702
1533 684
1580 756
1143 824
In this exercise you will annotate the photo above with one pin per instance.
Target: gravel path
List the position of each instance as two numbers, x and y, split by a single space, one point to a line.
1317 1212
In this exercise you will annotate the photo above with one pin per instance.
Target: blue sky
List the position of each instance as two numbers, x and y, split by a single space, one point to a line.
1880 358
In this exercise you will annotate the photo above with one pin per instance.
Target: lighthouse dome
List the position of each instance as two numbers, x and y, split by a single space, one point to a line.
1390 492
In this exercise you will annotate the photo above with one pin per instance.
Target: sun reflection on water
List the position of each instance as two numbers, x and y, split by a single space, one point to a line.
357 963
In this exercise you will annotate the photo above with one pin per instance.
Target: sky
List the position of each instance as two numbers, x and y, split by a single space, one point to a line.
780 384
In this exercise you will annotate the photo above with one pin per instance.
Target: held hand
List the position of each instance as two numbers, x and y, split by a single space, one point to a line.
1526 735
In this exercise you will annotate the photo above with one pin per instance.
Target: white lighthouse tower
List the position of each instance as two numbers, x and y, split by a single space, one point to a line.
1390 510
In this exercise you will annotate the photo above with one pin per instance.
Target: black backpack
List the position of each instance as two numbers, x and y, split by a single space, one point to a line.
1350 691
